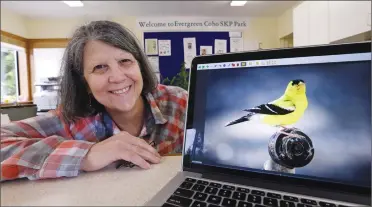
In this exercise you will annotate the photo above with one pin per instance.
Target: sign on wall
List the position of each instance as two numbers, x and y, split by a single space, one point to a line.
191 24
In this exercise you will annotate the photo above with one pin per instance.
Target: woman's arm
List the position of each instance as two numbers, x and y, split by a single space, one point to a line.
40 147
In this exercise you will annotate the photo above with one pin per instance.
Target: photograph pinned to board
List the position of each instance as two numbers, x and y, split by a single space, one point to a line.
189 50
206 50
220 46
236 44
164 47
151 46
154 62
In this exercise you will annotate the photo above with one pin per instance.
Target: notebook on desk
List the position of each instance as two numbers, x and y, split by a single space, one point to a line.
282 127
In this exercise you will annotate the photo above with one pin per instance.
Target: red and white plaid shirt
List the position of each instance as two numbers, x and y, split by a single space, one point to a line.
46 147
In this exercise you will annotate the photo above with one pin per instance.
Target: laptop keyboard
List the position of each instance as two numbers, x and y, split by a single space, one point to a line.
200 193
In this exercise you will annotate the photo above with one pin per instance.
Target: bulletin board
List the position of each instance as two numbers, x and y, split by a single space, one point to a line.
169 66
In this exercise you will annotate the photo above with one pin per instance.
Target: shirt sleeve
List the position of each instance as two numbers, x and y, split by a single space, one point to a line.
183 108
180 100
40 147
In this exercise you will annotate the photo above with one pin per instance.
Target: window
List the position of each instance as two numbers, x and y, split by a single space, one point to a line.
9 73
47 62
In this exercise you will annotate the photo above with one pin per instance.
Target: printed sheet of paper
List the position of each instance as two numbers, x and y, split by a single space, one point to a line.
154 62
189 50
205 50
151 46
165 48
220 46
158 76
236 44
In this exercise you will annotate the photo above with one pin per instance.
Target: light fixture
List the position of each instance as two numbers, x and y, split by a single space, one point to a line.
74 3
238 3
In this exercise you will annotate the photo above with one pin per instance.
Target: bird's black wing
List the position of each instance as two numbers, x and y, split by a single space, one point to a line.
269 109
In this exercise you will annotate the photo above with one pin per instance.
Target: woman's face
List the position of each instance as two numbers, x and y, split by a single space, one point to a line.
113 76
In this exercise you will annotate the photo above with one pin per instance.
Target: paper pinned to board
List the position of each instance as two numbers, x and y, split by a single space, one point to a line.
158 76
205 50
165 48
236 44
220 46
154 62
189 50
235 34
151 46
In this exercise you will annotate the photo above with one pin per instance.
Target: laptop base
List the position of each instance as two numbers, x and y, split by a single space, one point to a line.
194 189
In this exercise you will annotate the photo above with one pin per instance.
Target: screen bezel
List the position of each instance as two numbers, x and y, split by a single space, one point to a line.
318 50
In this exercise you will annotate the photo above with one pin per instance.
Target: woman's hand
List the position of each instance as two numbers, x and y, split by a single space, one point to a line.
122 146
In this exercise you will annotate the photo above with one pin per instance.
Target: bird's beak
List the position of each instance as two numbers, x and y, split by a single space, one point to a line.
300 86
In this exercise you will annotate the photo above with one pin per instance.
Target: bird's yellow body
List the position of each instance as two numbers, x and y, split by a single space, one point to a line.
299 104
284 111
294 98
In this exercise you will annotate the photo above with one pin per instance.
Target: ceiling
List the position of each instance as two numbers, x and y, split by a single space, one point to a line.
57 9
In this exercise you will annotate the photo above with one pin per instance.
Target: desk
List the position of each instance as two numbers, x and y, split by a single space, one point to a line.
19 111
108 187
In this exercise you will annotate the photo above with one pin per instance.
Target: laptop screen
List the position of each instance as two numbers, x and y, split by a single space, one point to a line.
305 117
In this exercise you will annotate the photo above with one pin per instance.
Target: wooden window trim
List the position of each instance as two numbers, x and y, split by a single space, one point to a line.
48 43
24 103
13 39
30 45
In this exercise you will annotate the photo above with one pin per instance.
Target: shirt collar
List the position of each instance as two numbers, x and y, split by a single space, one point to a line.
155 111
153 115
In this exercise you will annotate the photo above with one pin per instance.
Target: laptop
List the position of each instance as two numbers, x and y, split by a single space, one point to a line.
280 127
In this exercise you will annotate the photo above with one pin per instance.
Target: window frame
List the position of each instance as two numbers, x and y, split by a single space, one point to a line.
22 45
28 45
6 47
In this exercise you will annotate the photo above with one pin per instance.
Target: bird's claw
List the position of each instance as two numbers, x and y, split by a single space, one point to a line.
292 135
283 127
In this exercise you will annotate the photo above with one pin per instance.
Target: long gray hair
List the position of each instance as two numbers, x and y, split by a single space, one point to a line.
75 101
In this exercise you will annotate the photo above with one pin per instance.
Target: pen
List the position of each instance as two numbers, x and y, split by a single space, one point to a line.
124 163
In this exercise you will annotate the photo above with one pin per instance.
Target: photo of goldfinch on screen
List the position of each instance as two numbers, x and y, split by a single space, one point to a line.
301 120
289 148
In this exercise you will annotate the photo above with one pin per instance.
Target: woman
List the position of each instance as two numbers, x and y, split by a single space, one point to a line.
111 108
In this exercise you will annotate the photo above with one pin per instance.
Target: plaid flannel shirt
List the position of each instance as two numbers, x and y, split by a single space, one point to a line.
46 147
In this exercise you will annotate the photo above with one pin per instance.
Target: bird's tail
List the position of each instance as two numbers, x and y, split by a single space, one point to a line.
241 119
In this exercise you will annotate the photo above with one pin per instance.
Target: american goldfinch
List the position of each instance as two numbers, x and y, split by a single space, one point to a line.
286 110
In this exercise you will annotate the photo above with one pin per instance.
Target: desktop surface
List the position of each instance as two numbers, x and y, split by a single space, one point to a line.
107 187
